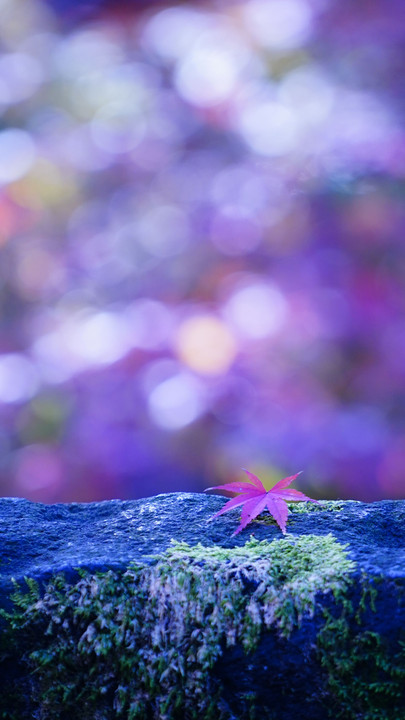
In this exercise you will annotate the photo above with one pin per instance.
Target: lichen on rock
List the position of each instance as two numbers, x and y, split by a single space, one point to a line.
143 644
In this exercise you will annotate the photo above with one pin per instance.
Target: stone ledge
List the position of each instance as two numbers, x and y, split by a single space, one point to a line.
260 625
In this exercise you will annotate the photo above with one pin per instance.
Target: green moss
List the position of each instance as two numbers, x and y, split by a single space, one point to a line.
320 506
141 644
298 508
366 675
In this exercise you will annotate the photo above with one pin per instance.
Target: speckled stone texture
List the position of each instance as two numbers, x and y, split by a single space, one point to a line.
40 540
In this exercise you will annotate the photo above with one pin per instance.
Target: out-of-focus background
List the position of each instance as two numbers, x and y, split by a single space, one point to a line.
202 242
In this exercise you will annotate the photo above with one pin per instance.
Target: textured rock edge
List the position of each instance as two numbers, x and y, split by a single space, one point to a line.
146 643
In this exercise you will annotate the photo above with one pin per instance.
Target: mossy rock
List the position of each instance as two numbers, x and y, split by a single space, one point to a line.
267 626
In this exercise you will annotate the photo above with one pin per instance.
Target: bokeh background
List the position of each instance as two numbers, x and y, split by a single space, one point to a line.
202 219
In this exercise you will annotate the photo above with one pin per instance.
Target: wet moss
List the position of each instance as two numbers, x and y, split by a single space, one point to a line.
142 644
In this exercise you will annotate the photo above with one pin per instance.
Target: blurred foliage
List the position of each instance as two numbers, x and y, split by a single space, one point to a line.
201 238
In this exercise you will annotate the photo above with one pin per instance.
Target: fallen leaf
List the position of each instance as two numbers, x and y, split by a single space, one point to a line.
255 498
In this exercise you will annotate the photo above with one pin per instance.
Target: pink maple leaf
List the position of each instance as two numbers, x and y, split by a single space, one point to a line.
255 498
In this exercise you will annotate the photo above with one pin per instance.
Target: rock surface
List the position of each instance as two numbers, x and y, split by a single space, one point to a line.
334 645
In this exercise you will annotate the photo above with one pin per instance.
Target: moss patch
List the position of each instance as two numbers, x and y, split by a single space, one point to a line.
320 506
298 508
142 644
366 673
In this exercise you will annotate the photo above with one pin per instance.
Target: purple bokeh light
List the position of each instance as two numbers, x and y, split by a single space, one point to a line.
201 238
